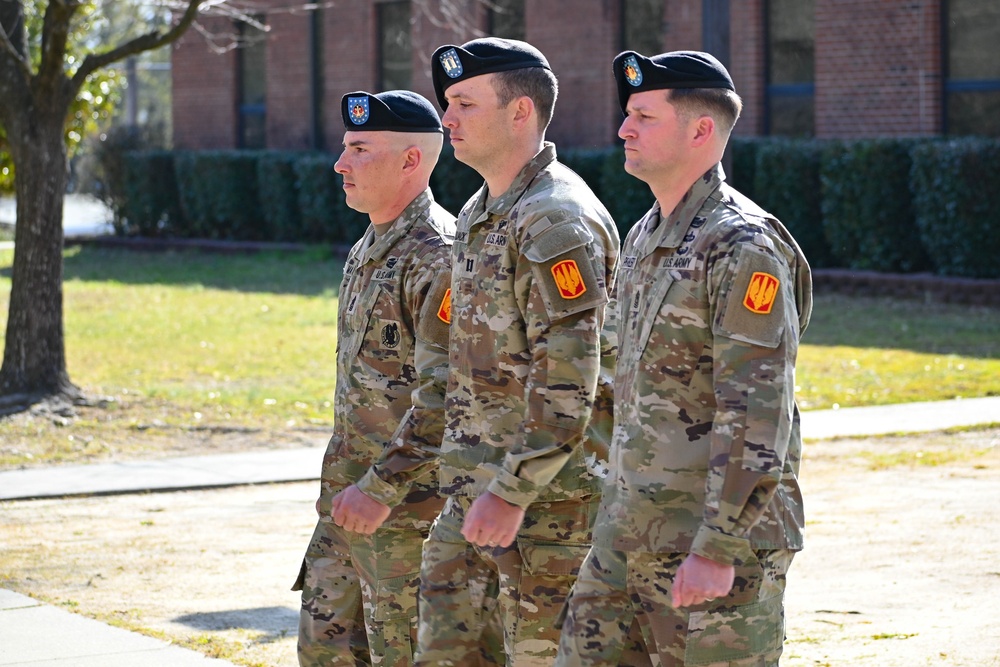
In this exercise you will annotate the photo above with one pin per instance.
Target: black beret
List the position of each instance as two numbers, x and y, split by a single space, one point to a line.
391 111
451 64
635 73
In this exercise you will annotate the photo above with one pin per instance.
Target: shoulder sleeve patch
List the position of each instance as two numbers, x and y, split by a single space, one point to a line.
752 309
435 315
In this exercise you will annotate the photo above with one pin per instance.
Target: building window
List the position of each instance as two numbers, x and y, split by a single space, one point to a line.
972 86
395 48
791 30
252 56
642 26
506 19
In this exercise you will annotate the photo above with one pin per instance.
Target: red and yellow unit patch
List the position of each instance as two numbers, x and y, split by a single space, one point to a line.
761 293
444 310
568 279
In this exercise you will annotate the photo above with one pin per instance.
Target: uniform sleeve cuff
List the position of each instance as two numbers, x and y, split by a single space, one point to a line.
513 489
715 545
378 489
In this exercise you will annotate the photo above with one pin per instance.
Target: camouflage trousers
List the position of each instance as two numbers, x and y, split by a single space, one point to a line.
359 597
469 595
618 593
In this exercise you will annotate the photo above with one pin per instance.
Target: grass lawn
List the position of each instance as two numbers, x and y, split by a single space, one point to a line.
185 341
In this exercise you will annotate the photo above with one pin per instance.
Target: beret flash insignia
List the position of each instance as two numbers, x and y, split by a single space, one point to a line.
358 109
451 63
632 72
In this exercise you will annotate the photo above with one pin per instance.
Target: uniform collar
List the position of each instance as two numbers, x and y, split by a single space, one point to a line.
670 231
414 211
505 202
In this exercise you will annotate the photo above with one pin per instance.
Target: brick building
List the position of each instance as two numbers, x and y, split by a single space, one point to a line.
823 68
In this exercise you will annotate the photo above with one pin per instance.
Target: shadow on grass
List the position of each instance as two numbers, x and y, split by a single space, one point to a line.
904 324
275 622
308 273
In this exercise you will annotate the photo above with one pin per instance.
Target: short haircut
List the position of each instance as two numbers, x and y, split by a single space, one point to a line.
536 83
723 105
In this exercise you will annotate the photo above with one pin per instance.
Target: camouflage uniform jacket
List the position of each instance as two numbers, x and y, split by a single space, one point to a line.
391 344
706 444
531 275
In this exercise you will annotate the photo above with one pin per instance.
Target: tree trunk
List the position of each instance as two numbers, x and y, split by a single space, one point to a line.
34 359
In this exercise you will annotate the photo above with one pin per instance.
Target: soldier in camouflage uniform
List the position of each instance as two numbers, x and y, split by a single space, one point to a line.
702 511
359 585
533 264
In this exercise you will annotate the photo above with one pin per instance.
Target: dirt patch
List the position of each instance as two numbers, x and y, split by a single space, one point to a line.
901 564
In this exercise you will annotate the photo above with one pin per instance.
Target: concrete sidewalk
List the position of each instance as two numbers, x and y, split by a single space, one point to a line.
34 633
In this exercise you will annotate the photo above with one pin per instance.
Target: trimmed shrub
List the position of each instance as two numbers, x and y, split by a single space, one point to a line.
278 192
588 163
744 154
218 192
325 214
868 216
453 182
787 184
956 186
627 198
150 205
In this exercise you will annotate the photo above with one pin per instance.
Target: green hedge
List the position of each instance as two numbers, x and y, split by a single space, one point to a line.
218 192
744 163
453 182
787 184
150 203
868 216
883 205
956 186
627 198
278 192
326 217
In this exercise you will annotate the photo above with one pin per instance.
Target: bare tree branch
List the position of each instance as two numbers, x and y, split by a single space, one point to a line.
147 42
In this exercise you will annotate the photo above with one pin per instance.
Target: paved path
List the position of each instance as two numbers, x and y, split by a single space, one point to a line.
83 215
32 633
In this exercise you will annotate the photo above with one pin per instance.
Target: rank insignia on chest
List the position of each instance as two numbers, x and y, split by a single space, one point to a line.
444 310
568 279
761 293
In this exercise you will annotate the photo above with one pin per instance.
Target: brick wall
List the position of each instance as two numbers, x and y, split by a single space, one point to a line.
289 76
349 61
204 91
878 69
747 51
579 39
682 25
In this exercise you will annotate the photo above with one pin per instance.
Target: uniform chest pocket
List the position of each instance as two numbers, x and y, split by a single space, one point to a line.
386 343
672 330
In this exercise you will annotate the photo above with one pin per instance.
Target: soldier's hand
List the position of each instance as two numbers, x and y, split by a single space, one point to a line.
354 511
699 580
492 521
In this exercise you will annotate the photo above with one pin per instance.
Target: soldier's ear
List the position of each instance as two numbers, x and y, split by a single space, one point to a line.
413 157
703 129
